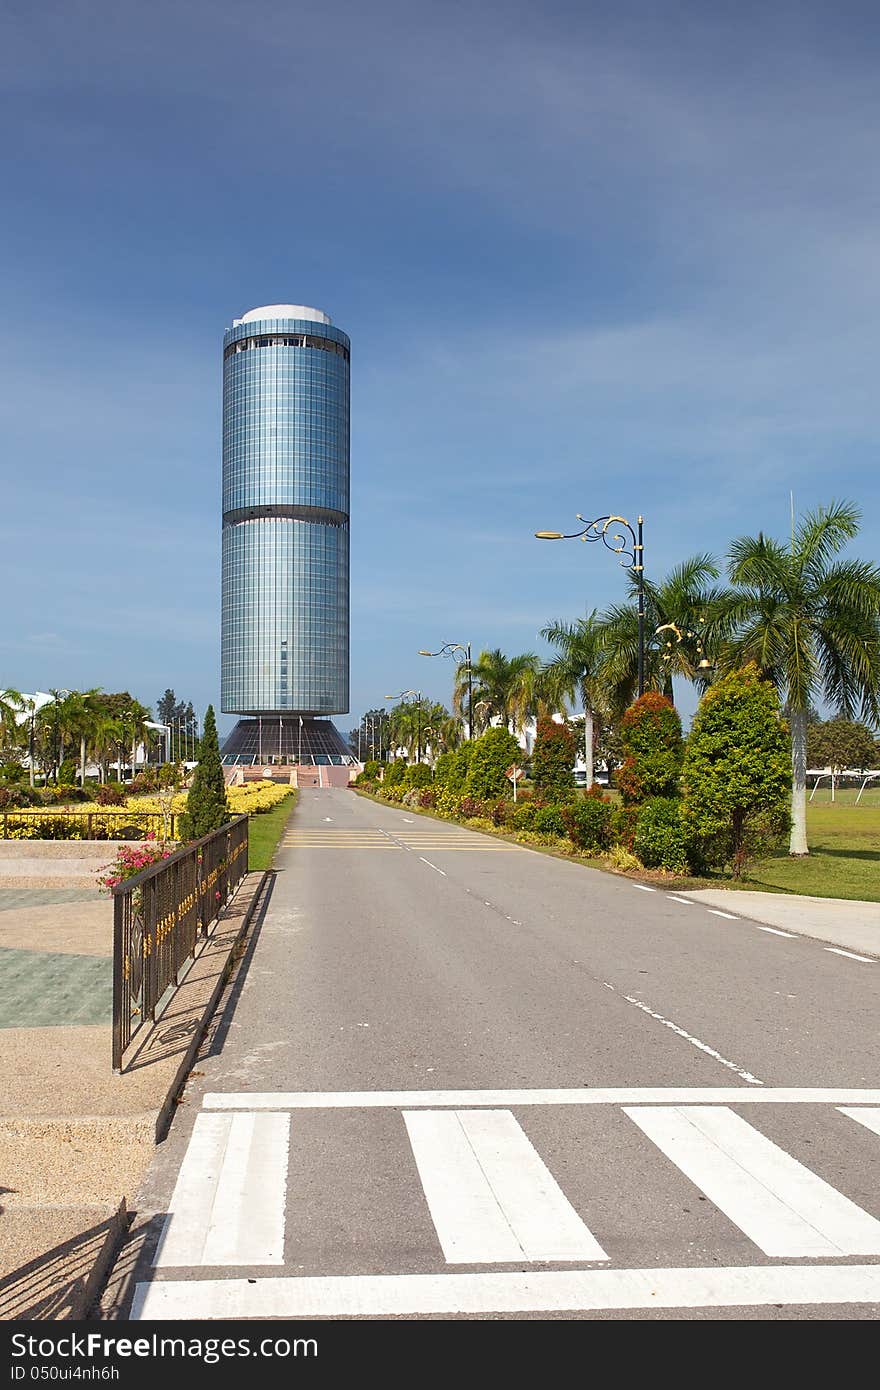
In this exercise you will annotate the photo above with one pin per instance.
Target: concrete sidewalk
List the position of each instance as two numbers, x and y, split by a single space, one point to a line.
75 1139
844 922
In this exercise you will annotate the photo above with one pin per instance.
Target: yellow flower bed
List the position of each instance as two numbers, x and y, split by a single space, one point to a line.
27 823
249 799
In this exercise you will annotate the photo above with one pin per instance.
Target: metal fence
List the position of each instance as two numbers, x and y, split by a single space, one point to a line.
49 824
158 916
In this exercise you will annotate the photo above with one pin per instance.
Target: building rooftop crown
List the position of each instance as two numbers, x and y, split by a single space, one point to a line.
283 311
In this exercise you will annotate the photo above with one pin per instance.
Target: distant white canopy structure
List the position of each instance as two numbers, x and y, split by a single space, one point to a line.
836 776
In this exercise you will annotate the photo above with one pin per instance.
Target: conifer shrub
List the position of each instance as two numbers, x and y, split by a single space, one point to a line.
553 760
459 766
417 775
442 769
394 773
207 808
737 772
493 753
650 734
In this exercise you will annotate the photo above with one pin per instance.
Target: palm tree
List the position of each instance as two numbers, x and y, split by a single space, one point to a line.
812 626
577 672
505 687
12 710
685 598
81 715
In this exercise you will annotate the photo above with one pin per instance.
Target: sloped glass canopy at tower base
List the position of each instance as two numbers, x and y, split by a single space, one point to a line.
286 740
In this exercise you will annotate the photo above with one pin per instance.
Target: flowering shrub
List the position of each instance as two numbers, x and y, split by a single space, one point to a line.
111 794
622 861
427 798
588 822
662 840
130 860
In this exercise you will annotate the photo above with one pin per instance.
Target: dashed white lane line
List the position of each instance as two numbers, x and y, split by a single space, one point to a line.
689 1037
851 955
643 888
716 912
686 901
774 931
432 866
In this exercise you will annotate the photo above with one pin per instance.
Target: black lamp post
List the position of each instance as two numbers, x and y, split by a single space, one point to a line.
631 550
449 649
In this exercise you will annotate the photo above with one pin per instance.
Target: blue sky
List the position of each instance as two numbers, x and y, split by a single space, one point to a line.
592 257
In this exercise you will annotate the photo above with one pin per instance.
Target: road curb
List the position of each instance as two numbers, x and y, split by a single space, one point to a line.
166 1110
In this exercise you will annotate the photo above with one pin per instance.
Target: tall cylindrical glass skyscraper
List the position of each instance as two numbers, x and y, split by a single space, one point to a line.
285 624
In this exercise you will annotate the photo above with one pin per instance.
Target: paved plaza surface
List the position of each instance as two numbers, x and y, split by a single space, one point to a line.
457 1078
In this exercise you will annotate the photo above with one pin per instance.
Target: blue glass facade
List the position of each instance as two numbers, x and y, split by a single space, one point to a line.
285 626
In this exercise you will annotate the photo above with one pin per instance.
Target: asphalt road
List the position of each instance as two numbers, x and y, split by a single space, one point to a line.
618 1104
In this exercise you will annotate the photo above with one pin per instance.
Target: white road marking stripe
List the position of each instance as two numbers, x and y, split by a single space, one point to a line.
851 955
869 1118
686 901
778 1203
227 1207
695 1042
776 932
609 1095
432 866
716 912
536 1291
643 888
490 1196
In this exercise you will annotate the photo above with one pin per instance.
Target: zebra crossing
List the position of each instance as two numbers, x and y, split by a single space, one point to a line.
490 1198
341 838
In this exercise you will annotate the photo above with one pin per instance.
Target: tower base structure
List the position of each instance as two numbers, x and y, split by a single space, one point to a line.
287 740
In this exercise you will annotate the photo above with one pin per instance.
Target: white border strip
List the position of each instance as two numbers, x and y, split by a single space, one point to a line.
620 1095
539 1291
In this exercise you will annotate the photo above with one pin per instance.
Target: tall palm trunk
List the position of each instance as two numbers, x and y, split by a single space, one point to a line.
798 723
82 760
588 741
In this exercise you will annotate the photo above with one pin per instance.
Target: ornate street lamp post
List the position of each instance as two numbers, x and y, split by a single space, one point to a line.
631 550
449 649
418 694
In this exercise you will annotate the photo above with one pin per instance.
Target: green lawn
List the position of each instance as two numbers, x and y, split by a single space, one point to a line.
265 830
844 859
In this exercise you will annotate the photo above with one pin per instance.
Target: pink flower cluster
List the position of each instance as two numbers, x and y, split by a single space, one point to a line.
130 860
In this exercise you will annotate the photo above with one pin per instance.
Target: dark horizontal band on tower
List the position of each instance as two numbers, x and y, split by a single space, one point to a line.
306 340
281 511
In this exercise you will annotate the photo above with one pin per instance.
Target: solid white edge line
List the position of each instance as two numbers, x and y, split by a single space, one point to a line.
850 955
620 1095
775 931
550 1291
716 912
432 866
